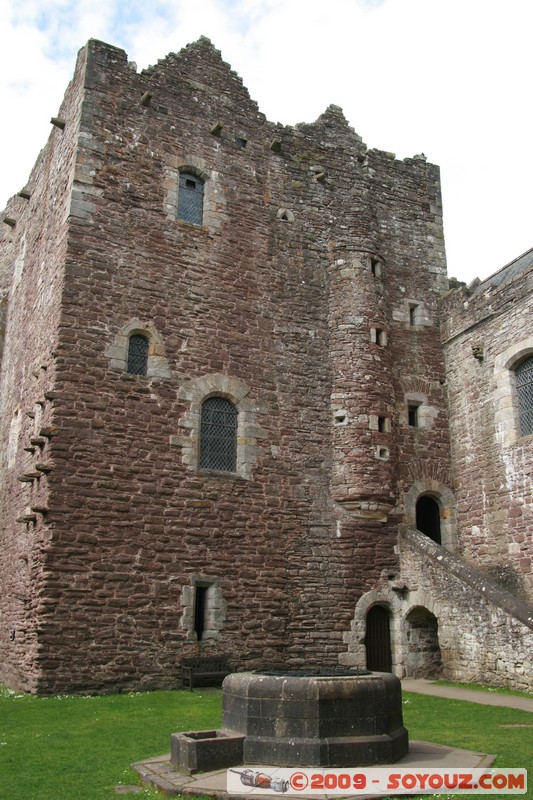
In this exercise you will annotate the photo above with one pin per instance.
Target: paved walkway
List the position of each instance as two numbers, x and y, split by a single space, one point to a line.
422 686
159 772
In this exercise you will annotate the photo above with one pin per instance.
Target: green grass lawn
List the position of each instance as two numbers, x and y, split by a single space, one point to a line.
80 748
503 732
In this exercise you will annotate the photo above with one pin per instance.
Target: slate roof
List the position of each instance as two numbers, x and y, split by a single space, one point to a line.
507 273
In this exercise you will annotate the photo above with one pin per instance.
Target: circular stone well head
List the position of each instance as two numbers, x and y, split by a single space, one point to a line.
339 718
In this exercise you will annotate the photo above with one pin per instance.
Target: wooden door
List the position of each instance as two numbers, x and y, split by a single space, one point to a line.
377 640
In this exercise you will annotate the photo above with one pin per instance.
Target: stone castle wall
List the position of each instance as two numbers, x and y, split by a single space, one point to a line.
447 620
309 297
485 335
33 248
485 635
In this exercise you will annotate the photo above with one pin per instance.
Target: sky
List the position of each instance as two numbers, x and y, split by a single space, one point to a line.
449 78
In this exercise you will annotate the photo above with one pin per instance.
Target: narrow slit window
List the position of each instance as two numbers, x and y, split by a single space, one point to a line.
382 424
524 391
218 435
200 607
138 354
191 198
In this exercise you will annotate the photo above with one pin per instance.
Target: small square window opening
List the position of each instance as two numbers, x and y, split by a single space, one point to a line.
381 337
376 267
412 415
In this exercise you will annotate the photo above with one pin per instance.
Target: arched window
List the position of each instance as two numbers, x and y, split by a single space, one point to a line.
191 198
218 435
524 391
137 354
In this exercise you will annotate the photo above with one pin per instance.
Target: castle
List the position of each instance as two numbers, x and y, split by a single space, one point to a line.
242 411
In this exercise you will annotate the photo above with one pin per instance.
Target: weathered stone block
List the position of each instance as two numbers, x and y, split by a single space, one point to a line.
204 751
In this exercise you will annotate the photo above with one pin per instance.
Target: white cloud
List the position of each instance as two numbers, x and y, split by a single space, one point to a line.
446 77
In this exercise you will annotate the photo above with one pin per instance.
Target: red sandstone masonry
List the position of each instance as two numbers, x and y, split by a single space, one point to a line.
101 514
287 309
492 476
33 258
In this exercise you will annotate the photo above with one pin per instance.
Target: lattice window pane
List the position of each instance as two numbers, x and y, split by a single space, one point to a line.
218 435
524 390
138 354
191 198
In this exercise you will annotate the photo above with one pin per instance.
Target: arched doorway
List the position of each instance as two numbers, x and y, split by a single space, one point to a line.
428 517
444 505
423 656
377 640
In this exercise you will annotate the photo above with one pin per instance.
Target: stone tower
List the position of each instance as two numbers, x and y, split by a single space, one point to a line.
222 387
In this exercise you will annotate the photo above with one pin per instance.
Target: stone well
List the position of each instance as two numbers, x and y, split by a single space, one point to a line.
298 718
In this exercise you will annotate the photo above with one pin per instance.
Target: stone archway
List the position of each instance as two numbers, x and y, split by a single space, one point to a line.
249 432
422 652
444 501
356 654
415 633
